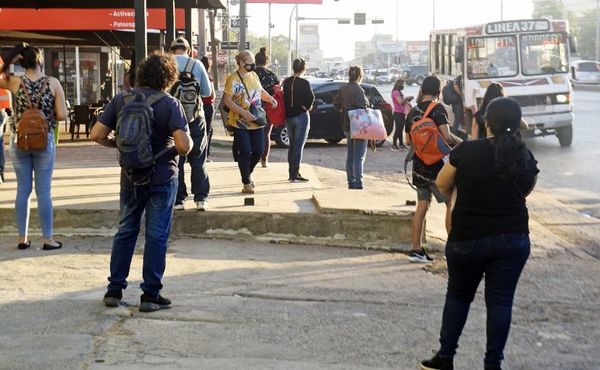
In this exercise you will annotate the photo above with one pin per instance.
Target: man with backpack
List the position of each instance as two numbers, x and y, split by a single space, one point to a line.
427 161
192 85
150 130
452 96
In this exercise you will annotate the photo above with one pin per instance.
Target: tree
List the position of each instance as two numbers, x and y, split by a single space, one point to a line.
586 35
279 49
548 8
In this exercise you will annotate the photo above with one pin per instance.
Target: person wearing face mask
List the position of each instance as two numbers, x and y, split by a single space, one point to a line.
243 89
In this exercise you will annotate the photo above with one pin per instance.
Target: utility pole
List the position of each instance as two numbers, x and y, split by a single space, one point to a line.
433 14
269 41
289 61
213 48
501 10
597 30
242 25
297 34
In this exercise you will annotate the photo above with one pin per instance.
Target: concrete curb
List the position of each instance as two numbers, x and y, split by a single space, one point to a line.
370 231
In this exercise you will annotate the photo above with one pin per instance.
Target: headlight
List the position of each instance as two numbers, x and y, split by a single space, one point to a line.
562 98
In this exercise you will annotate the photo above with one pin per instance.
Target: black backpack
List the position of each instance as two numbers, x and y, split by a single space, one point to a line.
187 91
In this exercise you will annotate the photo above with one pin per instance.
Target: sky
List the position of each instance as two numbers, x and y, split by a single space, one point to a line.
414 18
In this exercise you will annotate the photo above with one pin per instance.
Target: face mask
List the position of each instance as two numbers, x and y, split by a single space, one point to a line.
250 67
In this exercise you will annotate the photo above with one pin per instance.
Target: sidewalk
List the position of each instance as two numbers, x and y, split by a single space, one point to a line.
85 191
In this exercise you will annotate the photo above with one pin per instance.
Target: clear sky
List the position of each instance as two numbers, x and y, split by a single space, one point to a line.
415 18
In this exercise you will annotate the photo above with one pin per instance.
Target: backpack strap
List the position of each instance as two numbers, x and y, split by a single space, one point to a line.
429 109
245 88
189 67
155 97
27 95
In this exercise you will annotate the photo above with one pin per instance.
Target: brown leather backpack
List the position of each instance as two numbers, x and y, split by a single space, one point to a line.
32 128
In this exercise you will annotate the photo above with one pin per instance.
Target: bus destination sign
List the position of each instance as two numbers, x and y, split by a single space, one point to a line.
530 25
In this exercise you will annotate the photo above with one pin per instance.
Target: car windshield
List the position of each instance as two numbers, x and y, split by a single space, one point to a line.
544 53
491 57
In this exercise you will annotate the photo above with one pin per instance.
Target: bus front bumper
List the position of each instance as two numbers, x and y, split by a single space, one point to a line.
549 121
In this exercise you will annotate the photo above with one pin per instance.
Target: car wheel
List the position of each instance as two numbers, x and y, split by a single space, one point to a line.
282 138
565 135
419 80
333 141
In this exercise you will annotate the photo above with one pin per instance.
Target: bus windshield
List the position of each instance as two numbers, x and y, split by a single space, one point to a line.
544 53
491 57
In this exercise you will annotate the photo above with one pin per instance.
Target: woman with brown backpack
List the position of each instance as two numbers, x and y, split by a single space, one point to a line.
39 104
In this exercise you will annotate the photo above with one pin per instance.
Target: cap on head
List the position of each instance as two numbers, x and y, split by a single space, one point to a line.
180 42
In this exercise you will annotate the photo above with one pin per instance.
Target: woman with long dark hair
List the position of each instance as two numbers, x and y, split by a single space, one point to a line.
268 80
401 106
493 91
352 96
489 233
45 93
299 99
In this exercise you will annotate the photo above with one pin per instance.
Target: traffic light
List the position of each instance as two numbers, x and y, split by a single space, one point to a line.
360 19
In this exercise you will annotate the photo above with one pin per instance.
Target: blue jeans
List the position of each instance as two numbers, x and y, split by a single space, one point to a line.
298 127
197 160
3 119
249 145
501 259
156 201
26 163
355 160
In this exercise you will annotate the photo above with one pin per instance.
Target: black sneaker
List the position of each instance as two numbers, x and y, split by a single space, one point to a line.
1 173
438 363
492 367
298 178
419 256
112 298
149 303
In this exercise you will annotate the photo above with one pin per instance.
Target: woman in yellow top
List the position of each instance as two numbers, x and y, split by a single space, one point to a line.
248 137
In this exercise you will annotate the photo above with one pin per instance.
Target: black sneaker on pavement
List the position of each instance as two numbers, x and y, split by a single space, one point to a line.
298 178
419 256
438 363
149 303
112 298
492 367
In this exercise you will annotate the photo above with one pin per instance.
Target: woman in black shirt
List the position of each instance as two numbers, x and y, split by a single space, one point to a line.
267 80
495 90
489 235
299 99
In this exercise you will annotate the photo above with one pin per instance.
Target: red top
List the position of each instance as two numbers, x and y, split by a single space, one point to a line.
209 99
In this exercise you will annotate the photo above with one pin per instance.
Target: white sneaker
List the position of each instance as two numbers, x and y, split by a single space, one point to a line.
178 207
202 205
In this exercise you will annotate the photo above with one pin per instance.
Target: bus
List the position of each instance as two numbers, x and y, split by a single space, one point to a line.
530 58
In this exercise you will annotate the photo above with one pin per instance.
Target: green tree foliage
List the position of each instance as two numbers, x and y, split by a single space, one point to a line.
279 49
586 35
548 8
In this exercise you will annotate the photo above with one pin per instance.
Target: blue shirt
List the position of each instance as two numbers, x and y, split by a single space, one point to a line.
168 118
198 71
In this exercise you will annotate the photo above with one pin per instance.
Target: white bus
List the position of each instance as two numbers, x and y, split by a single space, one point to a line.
530 58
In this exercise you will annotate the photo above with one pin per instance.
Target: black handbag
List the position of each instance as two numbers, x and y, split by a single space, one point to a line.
260 116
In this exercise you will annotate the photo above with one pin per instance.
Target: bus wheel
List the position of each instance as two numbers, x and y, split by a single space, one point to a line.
565 135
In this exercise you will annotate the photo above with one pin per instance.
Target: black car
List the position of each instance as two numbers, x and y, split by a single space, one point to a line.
415 74
325 120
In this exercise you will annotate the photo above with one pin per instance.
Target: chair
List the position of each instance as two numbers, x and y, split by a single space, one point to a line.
80 116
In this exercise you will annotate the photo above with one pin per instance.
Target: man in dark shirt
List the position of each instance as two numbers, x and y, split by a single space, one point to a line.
169 129
424 175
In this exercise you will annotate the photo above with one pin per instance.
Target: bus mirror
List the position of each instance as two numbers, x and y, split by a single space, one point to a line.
459 55
573 44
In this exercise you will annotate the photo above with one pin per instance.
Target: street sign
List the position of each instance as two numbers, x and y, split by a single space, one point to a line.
377 21
233 45
360 19
235 22
343 21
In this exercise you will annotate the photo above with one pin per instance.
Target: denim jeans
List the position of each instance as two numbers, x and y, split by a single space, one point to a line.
500 259
357 151
3 120
249 145
26 164
156 201
197 160
298 127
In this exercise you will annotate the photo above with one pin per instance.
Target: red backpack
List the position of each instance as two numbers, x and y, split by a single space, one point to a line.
276 116
426 139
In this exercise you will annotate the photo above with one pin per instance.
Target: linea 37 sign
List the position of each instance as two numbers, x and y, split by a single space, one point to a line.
528 25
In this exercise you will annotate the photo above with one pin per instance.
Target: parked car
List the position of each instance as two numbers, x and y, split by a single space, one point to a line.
415 74
585 72
325 120
383 77
321 74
